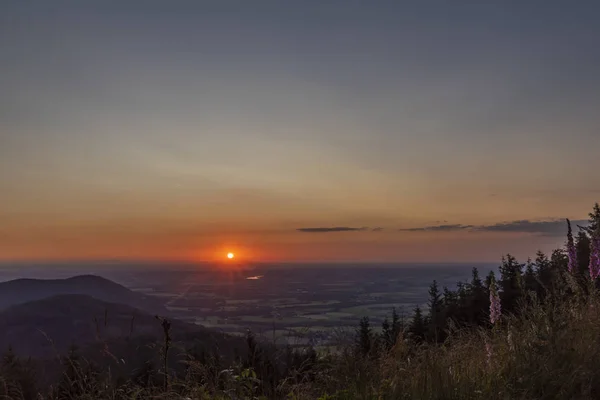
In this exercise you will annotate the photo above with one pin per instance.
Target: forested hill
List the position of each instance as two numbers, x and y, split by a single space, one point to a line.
25 290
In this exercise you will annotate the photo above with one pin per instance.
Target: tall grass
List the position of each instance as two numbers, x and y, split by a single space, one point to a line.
551 350
548 350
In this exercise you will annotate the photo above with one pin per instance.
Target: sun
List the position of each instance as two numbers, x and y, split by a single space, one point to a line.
230 256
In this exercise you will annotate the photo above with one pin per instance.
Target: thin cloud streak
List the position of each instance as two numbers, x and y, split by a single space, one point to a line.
439 228
554 227
332 229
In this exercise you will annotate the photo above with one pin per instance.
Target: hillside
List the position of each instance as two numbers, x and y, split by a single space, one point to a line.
49 326
20 291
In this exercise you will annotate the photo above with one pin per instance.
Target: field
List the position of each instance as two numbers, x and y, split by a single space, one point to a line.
294 303
297 304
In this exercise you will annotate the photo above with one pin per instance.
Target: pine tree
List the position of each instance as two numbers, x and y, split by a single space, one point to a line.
463 291
530 277
593 221
418 327
450 304
435 313
491 277
558 262
511 283
480 299
544 274
397 324
364 337
387 334
582 246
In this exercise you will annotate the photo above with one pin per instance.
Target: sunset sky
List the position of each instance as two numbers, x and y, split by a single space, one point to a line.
296 130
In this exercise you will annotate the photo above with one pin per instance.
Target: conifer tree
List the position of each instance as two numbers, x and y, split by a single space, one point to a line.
463 292
418 327
544 273
450 304
593 221
364 337
530 277
397 324
387 334
511 283
582 246
436 325
491 277
480 299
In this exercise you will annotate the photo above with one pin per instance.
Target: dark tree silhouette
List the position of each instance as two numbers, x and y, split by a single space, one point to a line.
436 316
364 339
480 299
582 246
511 283
418 326
530 277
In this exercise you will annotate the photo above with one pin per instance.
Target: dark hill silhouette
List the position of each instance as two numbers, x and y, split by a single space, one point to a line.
25 290
45 328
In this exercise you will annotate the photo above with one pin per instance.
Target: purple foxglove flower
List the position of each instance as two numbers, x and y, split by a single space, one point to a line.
571 251
595 256
495 306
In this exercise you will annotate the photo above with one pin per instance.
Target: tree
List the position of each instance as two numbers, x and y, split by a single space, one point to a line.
544 274
391 330
558 262
397 324
364 339
582 247
511 283
593 221
450 304
418 327
387 334
491 277
436 317
480 299
463 291
530 278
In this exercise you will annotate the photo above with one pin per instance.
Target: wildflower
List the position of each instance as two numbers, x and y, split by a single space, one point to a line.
595 255
495 307
571 251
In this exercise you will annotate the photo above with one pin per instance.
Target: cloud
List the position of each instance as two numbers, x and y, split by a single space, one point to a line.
553 227
550 227
331 229
439 228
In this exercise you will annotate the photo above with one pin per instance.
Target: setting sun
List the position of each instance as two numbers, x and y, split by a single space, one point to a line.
230 256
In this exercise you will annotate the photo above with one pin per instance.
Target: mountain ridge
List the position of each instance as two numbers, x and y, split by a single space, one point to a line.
24 290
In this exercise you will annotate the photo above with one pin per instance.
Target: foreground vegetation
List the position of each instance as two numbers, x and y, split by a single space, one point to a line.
531 333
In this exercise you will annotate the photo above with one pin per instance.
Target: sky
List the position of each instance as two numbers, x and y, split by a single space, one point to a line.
322 130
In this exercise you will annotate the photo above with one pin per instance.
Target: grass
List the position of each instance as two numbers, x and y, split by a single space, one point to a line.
550 351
